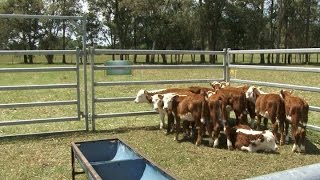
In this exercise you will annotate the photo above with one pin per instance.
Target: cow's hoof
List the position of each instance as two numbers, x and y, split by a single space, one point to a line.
230 148
281 143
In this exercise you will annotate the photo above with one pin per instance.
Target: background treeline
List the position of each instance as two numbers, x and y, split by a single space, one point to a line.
165 24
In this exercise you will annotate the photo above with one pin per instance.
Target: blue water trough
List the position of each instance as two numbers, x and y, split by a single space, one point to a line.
114 159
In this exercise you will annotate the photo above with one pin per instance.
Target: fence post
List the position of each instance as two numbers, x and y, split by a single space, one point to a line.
78 53
226 73
91 50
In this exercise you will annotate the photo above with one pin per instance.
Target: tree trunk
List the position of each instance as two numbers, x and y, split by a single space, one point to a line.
202 34
280 19
49 58
308 4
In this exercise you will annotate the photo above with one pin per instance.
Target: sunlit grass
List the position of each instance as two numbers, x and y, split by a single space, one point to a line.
49 157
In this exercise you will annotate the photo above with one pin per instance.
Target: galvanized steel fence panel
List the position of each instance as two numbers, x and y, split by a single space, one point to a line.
94 84
76 86
276 68
226 74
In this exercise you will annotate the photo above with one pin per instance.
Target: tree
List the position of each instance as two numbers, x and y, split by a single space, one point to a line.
25 33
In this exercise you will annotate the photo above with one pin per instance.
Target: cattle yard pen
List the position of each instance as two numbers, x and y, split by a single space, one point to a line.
276 68
225 76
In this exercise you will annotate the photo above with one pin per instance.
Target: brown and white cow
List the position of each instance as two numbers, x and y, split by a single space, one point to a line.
220 105
187 108
246 139
144 96
270 106
296 110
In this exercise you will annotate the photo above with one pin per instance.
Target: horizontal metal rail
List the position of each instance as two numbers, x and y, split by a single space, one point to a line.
276 68
158 67
118 99
275 51
32 87
43 69
314 108
42 134
32 121
313 127
48 103
304 172
155 82
112 115
36 52
279 85
144 52
27 16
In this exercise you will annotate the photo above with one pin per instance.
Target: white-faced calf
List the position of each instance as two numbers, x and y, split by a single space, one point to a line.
246 139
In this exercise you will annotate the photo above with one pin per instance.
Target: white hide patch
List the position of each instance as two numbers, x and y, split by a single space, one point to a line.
264 114
187 117
249 131
288 117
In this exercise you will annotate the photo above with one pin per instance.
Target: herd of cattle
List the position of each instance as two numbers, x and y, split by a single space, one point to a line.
206 110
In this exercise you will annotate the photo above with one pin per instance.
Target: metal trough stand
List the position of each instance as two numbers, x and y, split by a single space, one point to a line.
114 159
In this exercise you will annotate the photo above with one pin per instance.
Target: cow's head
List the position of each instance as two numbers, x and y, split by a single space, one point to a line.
157 101
167 101
251 93
141 97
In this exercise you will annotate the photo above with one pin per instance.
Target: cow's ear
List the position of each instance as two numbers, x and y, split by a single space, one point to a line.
145 92
282 94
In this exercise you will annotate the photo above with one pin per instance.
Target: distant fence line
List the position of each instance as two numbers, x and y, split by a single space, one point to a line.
226 66
90 117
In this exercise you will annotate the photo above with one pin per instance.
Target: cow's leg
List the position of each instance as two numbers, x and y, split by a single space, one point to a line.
286 129
259 122
265 123
162 115
177 128
281 124
227 131
216 135
252 122
210 130
170 123
303 139
275 128
199 127
186 129
247 148
295 134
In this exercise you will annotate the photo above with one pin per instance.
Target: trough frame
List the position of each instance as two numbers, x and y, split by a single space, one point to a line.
75 152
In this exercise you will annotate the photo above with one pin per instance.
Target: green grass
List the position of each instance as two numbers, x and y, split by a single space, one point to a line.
49 157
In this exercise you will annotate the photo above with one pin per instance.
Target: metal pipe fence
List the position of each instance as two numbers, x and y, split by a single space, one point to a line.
226 75
95 84
277 68
75 86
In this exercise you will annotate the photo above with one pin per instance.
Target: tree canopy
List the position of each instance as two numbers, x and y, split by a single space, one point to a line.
164 24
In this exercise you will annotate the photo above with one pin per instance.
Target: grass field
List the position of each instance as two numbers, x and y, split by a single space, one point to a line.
49 157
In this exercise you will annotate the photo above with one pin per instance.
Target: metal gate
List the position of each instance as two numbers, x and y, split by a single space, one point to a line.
80 56
78 114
